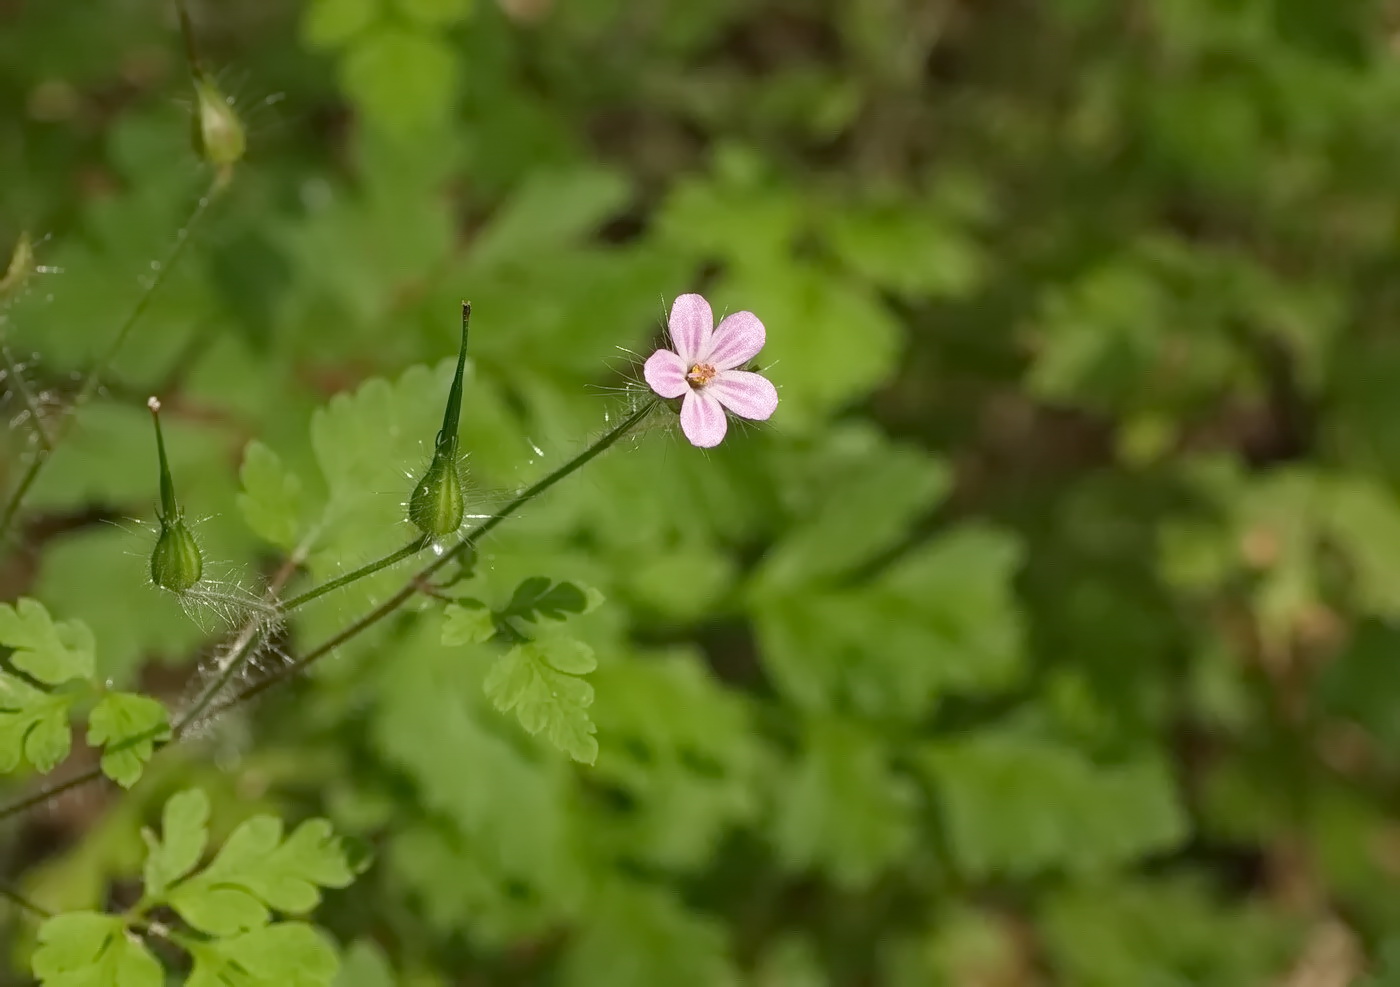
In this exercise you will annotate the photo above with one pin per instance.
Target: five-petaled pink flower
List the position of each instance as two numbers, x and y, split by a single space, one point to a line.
702 368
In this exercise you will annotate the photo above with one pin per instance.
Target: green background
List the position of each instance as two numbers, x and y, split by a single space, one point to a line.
1049 633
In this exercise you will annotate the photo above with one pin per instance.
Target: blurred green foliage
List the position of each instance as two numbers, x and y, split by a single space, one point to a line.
1049 633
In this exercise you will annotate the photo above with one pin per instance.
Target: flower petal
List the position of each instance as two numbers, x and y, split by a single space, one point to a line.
737 341
747 394
702 420
691 324
665 374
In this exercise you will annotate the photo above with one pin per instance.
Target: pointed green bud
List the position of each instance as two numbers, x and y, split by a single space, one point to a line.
437 503
218 132
176 563
219 137
20 267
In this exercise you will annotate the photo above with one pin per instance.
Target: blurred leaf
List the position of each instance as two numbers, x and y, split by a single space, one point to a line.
271 497
844 811
1017 806
635 936
331 23
404 81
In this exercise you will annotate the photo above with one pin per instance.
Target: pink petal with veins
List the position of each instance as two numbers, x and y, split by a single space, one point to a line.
737 341
691 324
747 394
665 374
702 420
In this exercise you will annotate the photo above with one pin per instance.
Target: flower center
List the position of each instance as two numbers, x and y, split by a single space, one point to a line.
701 374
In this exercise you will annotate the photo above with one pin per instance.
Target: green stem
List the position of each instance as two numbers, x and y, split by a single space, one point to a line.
236 658
412 548
93 377
23 902
27 396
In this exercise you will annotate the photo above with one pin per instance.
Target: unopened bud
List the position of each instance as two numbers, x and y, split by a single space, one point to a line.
176 562
218 132
20 267
437 504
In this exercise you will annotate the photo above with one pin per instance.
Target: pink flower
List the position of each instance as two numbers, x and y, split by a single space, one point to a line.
702 368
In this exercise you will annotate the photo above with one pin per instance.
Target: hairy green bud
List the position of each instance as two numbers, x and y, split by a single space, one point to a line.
176 562
20 267
437 503
219 136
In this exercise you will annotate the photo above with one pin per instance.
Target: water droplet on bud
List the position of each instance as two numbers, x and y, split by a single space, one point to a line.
437 504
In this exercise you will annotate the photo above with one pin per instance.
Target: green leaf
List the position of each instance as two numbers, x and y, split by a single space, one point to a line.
271 499
88 949
1019 805
287 954
181 843
467 625
539 681
256 870
331 23
128 725
843 810
403 80
33 725
52 652
434 12
539 597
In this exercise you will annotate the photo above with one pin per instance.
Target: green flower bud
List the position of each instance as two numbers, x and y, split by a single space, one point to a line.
20 267
219 137
218 132
437 503
176 563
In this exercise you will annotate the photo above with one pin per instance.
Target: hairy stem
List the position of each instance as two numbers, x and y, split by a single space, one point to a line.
27 396
412 548
93 378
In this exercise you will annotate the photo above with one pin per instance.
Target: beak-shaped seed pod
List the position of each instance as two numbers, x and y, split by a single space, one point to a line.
437 503
219 136
176 562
